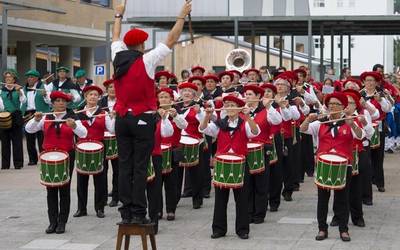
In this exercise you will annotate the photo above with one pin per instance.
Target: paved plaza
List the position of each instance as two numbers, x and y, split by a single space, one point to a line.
23 219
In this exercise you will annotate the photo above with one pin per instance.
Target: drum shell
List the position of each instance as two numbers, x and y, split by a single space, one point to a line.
337 171
110 146
255 158
59 165
236 165
85 157
5 120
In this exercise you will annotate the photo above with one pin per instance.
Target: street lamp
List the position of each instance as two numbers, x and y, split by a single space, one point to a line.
17 5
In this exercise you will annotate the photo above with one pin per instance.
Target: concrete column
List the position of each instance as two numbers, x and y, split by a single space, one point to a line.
66 58
26 58
87 60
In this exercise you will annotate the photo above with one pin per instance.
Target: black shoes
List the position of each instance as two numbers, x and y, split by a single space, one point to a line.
60 228
197 204
368 203
124 221
217 235
287 197
170 216
258 220
207 196
273 209
31 163
186 195
110 194
139 220
322 235
113 203
381 189
345 236
52 228
80 213
100 214
359 222
243 236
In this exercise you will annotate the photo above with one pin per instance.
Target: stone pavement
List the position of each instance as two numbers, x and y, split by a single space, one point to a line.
23 219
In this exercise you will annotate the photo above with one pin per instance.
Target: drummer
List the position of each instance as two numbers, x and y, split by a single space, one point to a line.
232 133
96 121
334 138
165 98
265 116
59 136
11 99
107 103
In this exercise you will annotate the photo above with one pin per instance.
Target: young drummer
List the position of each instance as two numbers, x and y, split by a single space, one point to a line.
232 133
334 137
96 121
265 116
165 98
58 135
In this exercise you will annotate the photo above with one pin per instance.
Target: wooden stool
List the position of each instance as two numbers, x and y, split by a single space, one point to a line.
136 229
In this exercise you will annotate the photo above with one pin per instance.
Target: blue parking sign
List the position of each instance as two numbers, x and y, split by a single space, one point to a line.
99 70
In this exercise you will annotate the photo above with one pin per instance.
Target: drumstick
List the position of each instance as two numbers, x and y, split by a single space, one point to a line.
64 120
232 108
190 27
341 119
45 79
329 113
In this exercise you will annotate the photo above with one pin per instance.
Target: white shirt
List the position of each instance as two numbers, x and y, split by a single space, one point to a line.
34 126
291 113
111 103
273 116
167 130
151 59
30 96
110 122
212 129
76 97
180 121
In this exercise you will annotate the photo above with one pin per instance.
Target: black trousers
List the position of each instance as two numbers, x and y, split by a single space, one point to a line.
115 171
276 175
12 136
195 175
367 175
307 155
31 145
207 168
100 190
340 208
59 198
377 157
297 163
258 192
154 189
219 224
135 144
289 166
170 187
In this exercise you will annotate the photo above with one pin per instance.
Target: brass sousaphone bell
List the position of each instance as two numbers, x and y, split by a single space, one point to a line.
238 59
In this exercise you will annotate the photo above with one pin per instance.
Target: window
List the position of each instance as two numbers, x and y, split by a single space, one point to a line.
300 47
317 43
277 42
339 3
103 3
345 63
352 3
218 69
319 3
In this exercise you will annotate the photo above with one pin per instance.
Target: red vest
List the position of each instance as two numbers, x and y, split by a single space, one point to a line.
358 144
237 141
96 130
52 140
135 90
193 124
157 139
176 136
382 115
340 143
265 127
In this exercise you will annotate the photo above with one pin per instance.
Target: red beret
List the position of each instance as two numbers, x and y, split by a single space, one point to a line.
189 85
213 77
269 86
317 85
200 78
198 67
108 82
162 73
236 72
358 82
172 76
376 75
234 99
355 95
252 70
218 104
93 87
135 37
166 90
300 71
59 94
338 95
224 73
287 75
255 89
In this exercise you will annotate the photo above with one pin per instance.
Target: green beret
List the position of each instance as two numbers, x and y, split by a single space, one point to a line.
32 72
80 73
12 72
66 69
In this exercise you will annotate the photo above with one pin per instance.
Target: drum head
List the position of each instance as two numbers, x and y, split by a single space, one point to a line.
90 146
108 134
54 156
189 140
253 145
332 157
230 157
5 114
